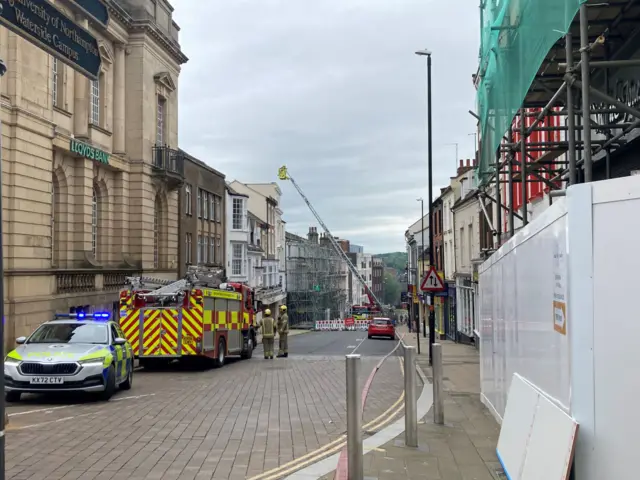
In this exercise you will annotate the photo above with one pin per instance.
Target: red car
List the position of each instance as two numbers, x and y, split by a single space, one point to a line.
382 327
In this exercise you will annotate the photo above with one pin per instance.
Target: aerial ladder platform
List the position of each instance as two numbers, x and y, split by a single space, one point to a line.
283 174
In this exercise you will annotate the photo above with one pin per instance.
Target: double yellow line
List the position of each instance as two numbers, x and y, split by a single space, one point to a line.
335 446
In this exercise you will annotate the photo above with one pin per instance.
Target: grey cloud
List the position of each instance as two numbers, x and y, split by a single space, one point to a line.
333 90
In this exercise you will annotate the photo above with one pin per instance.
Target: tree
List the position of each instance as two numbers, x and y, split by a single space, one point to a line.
392 290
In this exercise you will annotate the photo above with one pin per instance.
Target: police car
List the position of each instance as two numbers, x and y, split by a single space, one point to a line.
75 352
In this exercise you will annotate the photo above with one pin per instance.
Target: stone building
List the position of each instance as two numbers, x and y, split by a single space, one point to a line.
202 216
91 168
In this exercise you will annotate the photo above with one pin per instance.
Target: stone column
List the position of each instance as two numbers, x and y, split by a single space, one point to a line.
81 97
119 120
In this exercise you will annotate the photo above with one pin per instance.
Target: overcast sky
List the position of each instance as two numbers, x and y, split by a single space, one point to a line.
332 89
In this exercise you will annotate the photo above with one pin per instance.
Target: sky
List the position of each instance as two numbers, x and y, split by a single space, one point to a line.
333 90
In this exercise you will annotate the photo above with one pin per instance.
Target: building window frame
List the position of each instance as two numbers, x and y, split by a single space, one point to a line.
57 82
188 199
236 259
199 252
237 213
212 250
212 208
94 102
161 119
205 205
188 248
95 222
205 249
199 203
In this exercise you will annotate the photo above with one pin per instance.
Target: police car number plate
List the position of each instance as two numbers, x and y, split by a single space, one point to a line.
46 380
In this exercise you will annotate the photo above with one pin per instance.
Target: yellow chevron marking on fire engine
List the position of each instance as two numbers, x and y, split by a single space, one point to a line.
151 332
170 331
190 326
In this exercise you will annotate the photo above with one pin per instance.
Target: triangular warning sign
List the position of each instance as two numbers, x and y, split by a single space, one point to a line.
432 281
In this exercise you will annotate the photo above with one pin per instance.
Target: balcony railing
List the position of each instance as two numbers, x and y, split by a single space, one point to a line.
168 163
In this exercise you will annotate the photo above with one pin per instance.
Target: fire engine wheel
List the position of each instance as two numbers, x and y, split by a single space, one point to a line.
248 353
221 354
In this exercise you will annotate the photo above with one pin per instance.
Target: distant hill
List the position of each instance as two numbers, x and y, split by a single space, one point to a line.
397 260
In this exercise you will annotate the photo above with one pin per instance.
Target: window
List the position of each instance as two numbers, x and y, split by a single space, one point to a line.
205 250
218 201
236 260
160 117
94 224
199 249
57 87
237 214
212 251
156 237
188 251
187 199
205 205
95 102
199 204
219 250
212 209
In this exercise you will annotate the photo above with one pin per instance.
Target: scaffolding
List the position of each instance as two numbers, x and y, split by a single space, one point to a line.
539 62
316 279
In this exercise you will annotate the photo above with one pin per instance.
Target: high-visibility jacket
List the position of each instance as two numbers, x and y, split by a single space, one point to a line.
268 327
283 324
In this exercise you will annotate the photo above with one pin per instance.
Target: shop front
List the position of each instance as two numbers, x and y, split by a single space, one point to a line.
466 293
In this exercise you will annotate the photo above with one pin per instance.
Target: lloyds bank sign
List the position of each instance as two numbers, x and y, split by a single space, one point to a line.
87 151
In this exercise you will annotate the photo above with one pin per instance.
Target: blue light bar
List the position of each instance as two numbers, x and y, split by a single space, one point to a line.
81 315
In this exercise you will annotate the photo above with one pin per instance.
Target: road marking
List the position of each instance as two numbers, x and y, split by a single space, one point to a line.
41 410
133 397
51 409
357 346
331 447
351 346
59 420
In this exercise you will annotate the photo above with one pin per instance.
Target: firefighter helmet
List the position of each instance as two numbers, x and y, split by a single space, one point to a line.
283 308
267 312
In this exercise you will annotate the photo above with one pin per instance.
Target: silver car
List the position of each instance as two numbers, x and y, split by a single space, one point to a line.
76 354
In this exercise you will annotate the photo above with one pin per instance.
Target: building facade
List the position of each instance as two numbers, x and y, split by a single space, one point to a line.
377 282
263 202
255 251
91 168
466 215
202 216
237 267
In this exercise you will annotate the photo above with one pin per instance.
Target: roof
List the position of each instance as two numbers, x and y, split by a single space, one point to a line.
463 200
255 217
234 193
200 163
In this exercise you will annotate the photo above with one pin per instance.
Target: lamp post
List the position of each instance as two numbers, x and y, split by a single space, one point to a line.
424 326
432 318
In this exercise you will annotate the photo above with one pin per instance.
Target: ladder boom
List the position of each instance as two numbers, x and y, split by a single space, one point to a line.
284 175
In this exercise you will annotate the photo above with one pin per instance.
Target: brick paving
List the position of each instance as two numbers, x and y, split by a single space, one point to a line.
463 448
231 423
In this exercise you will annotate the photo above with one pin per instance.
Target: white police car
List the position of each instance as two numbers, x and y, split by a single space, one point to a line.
74 352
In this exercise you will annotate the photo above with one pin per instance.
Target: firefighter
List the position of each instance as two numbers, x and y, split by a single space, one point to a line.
283 332
267 325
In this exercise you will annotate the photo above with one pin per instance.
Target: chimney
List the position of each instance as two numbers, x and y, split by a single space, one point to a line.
468 162
461 164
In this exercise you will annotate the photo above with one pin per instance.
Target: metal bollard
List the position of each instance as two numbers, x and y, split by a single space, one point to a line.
354 419
438 401
410 399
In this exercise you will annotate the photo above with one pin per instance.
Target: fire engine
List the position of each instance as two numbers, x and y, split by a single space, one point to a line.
198 316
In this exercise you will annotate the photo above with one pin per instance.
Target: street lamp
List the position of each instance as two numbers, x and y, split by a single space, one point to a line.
432 318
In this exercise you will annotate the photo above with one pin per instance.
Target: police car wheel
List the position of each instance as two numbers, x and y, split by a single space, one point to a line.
128 383
110 387
12 396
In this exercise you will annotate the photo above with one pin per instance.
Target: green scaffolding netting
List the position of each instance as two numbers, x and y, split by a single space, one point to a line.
516 35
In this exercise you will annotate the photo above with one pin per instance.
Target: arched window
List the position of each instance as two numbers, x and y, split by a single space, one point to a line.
156 235
94 223
54 212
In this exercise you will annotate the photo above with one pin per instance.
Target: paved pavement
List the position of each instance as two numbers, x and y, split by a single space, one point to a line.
236 422
463 448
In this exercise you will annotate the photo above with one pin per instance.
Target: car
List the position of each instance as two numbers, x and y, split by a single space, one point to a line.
381 327
73 352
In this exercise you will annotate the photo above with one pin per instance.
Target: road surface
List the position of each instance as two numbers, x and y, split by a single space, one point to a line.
250 417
